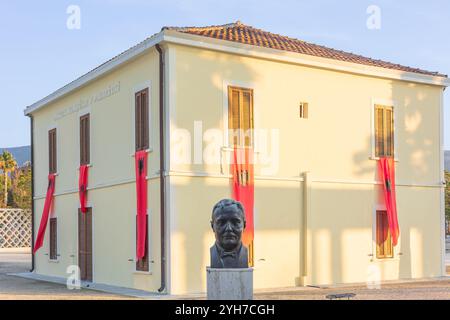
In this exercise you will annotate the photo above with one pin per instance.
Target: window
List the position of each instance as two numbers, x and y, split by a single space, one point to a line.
84 140
52 151
141 120
240 116
53 239
384 241
384 131
303 110
142 265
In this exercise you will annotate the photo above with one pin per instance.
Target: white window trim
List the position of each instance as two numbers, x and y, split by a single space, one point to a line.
384 102
141 86
396 249
150 256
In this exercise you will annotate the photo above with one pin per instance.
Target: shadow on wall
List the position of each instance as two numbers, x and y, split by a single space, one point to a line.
341 244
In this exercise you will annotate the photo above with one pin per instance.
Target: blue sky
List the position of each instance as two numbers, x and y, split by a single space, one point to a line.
39 54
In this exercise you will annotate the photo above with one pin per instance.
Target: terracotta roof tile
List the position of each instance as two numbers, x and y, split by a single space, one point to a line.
238 32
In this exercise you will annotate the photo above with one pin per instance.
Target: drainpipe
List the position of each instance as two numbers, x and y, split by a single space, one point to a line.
32 190
162 170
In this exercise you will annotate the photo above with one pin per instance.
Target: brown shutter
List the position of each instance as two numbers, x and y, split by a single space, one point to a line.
247 117
383 236
84 140
88 215
143 264
52 151
379 131
85 244
389 124
145 119
53 239
142 120
138 122
240 116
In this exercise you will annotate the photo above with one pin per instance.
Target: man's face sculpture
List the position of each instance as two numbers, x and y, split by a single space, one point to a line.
228 224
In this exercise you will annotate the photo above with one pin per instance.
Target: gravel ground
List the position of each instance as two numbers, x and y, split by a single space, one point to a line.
15 288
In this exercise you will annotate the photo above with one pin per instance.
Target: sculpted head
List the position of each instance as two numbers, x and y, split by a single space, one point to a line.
228 223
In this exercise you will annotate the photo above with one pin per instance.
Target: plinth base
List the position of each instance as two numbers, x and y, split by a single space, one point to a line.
229 284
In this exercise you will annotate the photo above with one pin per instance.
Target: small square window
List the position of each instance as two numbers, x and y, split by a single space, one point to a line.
303 110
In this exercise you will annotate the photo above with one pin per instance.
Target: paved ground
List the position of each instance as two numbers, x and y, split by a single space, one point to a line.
12 287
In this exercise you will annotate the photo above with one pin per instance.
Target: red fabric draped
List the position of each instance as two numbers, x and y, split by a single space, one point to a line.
141 195
243 187
387 174
45 212
82 187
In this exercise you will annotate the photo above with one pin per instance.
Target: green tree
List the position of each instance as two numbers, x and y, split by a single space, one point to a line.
7 165
21 188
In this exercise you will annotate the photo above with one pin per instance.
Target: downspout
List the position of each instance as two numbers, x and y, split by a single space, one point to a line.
162 171
32 190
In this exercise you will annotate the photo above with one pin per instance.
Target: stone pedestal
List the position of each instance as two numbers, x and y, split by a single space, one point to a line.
229 284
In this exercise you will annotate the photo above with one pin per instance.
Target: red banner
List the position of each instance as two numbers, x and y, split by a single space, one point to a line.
141 195
387 174
243 187
45 212
82 187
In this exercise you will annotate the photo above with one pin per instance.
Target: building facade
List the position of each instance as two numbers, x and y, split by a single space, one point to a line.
321 120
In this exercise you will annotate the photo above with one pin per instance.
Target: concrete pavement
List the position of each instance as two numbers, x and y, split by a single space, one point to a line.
15 288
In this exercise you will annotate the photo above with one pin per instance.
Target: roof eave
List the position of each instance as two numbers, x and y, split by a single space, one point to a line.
172 36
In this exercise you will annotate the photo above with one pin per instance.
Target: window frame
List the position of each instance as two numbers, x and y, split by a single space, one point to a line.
52 151
148 249
387 103
242 133
138 135
85 158
383 255
53 238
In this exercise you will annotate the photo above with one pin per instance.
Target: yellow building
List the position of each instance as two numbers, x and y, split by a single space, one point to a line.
321 119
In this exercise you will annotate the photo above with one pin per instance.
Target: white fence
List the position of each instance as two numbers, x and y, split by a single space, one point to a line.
15 228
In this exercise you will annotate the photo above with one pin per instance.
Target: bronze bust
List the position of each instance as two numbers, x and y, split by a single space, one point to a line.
228 223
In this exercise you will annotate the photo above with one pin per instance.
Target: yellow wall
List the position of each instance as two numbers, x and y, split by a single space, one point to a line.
334 146
111 177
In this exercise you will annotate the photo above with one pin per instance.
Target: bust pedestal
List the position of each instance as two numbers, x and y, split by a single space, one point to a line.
229 284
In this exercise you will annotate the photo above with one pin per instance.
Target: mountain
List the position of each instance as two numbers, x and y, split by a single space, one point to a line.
21 154
447 160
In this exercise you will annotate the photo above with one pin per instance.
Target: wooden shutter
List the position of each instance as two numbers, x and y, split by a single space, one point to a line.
142 120
383 236
384 131
303 110
85 244
84 140
240 116
143 264
52 151
53 239
389 131
379 131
